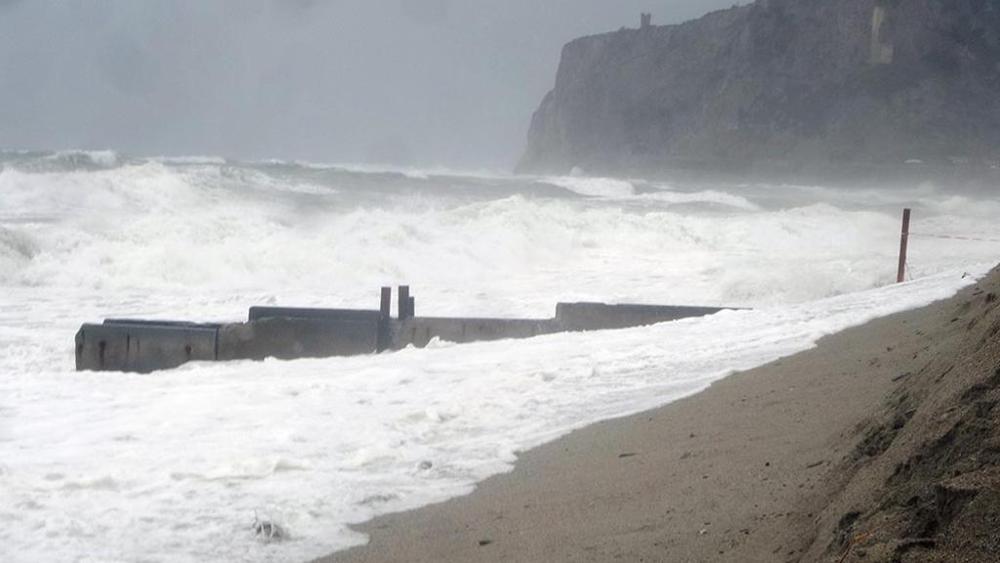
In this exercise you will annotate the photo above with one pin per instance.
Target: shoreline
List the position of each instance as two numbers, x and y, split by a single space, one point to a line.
743 471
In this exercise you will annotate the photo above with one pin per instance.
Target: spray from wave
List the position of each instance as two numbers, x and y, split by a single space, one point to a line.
314 445
199 223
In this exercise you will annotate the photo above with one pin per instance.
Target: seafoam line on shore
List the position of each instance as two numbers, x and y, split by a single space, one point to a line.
175 466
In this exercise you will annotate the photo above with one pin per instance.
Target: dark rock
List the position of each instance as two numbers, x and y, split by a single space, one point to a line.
268 531
781 85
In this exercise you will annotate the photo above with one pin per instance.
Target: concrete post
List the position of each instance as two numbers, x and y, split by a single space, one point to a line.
384 338
385 303
404 302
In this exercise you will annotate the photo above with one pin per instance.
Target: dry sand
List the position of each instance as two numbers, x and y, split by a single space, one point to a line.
817 457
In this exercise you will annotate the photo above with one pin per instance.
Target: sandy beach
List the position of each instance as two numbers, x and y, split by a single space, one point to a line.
824 455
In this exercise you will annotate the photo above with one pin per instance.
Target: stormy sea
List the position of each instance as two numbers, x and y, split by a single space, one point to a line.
178 465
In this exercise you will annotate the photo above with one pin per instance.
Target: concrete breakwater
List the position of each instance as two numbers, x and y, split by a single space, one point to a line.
290 333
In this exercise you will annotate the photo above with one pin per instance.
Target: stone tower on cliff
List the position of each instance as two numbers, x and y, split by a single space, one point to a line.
824 86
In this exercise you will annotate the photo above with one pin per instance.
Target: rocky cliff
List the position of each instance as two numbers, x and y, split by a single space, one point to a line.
784 84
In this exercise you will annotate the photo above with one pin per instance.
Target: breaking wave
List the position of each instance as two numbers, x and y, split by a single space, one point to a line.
207 451
508 245
594 187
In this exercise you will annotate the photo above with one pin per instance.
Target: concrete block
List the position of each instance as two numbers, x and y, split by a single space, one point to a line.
290 333
143 346
291 338
140 322
360 315
101 348
419 331
600 316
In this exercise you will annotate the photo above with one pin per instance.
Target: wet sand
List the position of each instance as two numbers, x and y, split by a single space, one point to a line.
752 469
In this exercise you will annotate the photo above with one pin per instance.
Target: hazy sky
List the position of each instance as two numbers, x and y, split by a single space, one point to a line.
421 82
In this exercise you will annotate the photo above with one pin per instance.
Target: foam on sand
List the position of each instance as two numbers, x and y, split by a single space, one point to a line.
176 465
179 465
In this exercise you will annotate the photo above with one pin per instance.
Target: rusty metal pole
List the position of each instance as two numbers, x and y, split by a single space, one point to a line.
904 239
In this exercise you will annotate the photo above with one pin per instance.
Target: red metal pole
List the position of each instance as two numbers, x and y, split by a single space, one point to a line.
904 238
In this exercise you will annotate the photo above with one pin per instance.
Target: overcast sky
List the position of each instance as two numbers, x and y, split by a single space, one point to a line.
417 82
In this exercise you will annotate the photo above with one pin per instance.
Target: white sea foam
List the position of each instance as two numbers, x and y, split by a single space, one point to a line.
190 159
613 188
105 158
592 186
175 466
705 196
414 173
213 228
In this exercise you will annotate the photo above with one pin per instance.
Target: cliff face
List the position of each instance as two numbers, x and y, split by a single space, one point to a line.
793 83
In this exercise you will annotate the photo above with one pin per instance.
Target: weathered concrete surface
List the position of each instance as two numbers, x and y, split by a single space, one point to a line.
418 331
292 338
143 346
339 315
570 317
178 324
292 333
600 316
360 315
